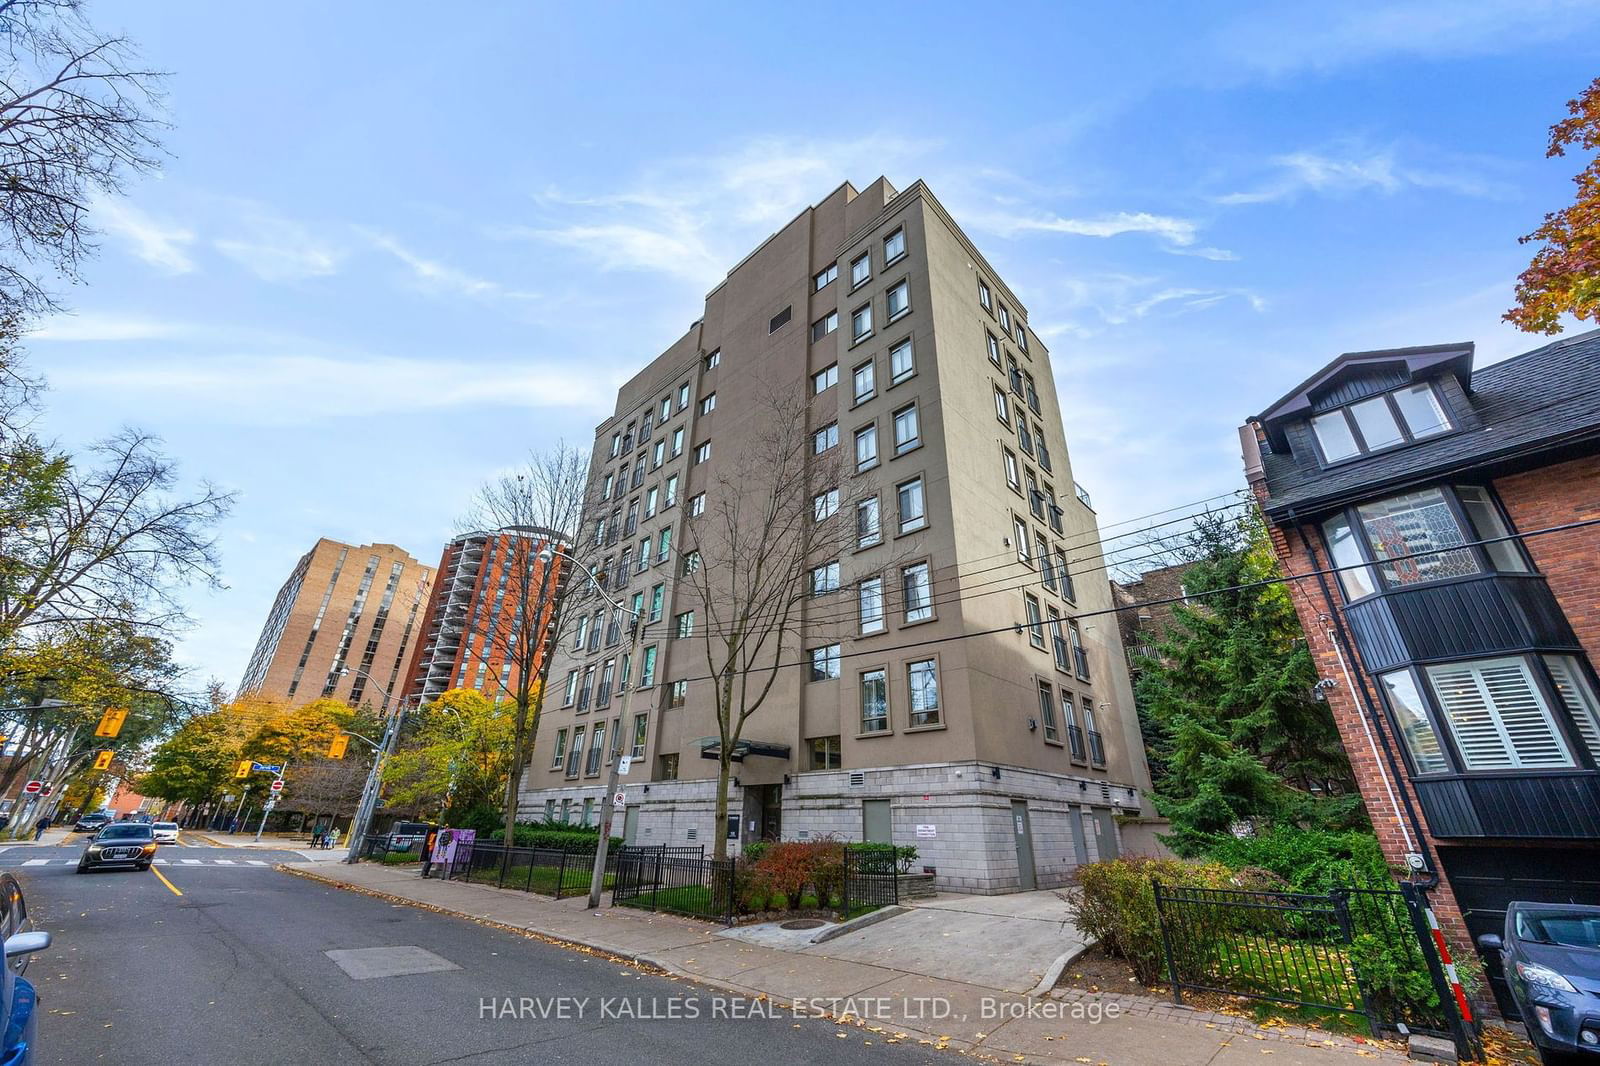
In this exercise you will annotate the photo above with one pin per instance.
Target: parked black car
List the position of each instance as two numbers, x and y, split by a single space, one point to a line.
119 844
1551 954
91 823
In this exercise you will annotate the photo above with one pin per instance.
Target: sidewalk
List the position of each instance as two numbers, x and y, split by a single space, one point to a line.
1067 1026
295 842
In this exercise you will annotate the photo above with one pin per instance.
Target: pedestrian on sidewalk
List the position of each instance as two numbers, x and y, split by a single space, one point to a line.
40 827
233 826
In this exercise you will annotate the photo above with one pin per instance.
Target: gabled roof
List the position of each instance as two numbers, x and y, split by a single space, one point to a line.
1538 401
1413 362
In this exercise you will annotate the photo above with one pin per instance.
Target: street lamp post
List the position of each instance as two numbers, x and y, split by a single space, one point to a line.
607 803
380 751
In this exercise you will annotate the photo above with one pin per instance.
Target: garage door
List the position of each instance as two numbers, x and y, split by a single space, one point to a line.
1487 879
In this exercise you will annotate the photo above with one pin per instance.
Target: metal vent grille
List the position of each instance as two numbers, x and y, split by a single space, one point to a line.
857 779
693 832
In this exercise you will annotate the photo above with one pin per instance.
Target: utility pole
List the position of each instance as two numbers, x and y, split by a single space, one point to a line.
607 802
369 794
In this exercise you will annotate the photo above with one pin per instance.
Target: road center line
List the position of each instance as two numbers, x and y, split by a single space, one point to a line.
175 890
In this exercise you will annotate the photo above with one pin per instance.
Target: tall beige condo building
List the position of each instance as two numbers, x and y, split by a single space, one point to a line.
341 626
962 686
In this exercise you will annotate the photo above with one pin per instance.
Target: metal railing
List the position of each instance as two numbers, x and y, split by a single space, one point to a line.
1365 952
871 879
1075 741
680 880
1097 749
1080 660
558 872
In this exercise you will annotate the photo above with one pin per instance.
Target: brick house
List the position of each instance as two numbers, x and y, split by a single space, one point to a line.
1440 527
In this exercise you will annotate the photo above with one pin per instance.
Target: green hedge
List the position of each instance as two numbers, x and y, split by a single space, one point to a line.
554 835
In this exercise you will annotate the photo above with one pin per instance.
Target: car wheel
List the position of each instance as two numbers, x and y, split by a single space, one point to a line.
82 869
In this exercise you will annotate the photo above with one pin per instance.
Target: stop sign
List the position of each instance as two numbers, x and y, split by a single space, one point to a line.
277 786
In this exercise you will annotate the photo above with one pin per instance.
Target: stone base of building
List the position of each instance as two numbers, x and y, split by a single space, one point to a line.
976 827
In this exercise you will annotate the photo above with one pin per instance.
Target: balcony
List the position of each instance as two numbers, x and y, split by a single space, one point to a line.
1075 742
1553 805
1482 615
1097 749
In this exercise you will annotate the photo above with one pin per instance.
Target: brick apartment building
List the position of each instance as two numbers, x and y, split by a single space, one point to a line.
942 691
345 613
1460 627
469 636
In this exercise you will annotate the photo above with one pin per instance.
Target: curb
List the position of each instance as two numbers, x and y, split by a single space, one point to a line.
1052 973
827 933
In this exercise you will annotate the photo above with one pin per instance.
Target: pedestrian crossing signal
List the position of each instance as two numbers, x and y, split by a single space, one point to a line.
111 722
243 769
337 747
102 761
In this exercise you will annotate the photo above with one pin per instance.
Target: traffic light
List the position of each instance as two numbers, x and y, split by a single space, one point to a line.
243 769
103 760
111 722
336 748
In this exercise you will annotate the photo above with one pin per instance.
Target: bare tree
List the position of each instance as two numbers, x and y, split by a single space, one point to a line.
112 542
541 504
748 560
77 113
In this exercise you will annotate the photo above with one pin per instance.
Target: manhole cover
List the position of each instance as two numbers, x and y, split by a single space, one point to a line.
804 923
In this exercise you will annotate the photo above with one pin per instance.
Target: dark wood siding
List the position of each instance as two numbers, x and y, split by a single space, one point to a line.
1487 615
1359 387
1531 806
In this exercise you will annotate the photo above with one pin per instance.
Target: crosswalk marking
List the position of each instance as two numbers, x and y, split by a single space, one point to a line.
36 862
257 862
224 862
159 862
190 862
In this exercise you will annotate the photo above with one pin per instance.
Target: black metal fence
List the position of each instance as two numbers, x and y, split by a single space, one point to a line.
871 880
376 846
546 871
1365 952
681 880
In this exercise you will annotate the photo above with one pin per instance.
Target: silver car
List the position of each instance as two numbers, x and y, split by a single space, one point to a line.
166 832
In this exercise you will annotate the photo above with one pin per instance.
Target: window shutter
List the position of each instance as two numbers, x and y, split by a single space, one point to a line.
1497 715
1579 700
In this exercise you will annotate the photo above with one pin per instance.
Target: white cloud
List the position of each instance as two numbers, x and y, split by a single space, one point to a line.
441 277
1177 231
95 326
1279 40
278 389
1118 299
1331 175
160 244
279 249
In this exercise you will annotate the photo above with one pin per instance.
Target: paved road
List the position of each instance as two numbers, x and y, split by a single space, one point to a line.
237 970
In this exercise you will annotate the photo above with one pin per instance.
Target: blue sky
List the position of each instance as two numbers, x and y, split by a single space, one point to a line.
398 246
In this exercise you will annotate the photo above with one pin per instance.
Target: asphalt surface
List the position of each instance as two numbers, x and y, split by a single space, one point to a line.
235 970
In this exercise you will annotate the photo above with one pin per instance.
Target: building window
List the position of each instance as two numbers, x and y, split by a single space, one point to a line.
666 403
779 320
708 403
669 767
863 382
1097 743
597 751
825 578
825 753
1058 643
1411 716
860 270
861 322
1497 715
922 679
1032 391
1002 406
1069 718
916 584
1041 555
671 499
1019 537
702 452
1380 422
644 555
1484 517
1022 337
616 445
825 277
1080 657
664 542
561 749
984 298
711 362
697 505
1009 458
824 325
1047 712
824 505
1044 452
907 434
824 662
651 499
994 347
569 695
899 300
866 447
825 438
1024 438
677 693
1035 497
870 597
875 701
1419 537
902 364
1572 687
691 563
1067 591
574 757
868 529
657 600
913 506
640 731
1005 320
683 625
605 486
677 442
894 246
647 667
825 379
1030 604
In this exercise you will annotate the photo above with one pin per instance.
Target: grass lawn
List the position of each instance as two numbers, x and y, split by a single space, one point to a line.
573 881
696 900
